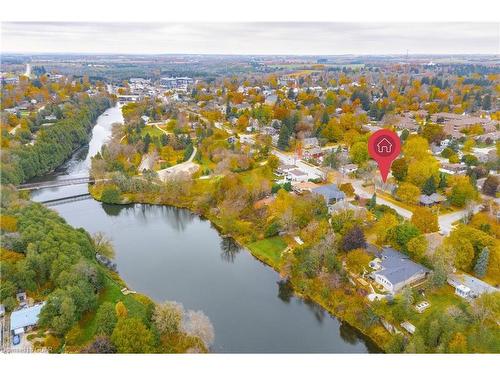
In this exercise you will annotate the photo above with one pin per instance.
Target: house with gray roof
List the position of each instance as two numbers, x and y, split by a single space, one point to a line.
24 319
469 287
430 200
394 270
331 193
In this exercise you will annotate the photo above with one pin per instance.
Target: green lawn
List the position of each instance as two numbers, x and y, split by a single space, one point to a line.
248 177
269 249
152 130
111 293
205 164
440 300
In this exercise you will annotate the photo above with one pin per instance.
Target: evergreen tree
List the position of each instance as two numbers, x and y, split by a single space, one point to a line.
482 262
490 185
373 111
429 186
147 142
284 138
372 203
443 183
325 118
404 134
487 102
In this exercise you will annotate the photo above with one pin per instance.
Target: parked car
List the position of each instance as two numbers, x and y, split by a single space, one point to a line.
16 339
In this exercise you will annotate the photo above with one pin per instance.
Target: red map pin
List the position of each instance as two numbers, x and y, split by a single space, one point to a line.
384 146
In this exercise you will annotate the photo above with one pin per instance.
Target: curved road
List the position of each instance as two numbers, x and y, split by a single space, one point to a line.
185 167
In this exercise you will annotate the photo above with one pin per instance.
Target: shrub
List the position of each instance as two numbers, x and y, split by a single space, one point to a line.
111 195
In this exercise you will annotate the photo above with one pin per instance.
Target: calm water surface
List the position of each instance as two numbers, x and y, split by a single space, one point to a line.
171 254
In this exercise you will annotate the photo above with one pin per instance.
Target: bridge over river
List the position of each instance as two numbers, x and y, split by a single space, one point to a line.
59 183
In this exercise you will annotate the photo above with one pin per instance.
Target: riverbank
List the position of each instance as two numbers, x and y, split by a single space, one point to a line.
343 303
54 145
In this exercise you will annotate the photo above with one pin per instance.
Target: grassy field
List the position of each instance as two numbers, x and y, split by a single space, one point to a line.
153 131
248 177
205 164
110 293
440 301
391 199
269 249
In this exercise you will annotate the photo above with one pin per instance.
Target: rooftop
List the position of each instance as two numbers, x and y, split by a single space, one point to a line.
25 317
397 267
477 286
431 199
329 192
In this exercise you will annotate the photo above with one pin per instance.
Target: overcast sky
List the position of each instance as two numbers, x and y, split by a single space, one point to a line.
253 38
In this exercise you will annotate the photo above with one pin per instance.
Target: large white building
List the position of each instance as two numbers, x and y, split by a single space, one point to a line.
176 83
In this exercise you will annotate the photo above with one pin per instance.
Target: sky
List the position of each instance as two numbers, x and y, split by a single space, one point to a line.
273 38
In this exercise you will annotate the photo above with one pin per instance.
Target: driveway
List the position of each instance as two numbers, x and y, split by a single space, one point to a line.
446 221
311 170
185 167
361 192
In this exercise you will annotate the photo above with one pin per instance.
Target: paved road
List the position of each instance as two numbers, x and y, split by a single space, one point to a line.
147 162
310 169
187 167
360 191
446 221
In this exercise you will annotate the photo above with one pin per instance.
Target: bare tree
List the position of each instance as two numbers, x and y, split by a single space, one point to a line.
197 324
168 316
103 245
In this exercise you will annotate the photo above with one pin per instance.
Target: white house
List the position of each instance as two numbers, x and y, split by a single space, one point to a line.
297 175
24 319
348 168
469 287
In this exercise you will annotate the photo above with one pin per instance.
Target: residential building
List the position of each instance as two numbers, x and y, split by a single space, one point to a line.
348 168
297 175
310 143
331 193
469 287
314 152
394 270
23 320
271 100
455 124
456 168
431 200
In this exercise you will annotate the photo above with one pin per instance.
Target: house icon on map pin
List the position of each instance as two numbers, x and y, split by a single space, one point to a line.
384 146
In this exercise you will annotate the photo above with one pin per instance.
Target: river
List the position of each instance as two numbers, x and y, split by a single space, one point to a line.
171 254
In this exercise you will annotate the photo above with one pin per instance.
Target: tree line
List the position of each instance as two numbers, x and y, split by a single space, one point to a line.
55 144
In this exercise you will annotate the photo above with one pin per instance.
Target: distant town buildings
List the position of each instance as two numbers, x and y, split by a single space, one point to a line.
176 83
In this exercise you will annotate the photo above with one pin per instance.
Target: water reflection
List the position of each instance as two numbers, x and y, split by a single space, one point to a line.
178 219
285 290
348 334
318 312
115 209
229 248
173 254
